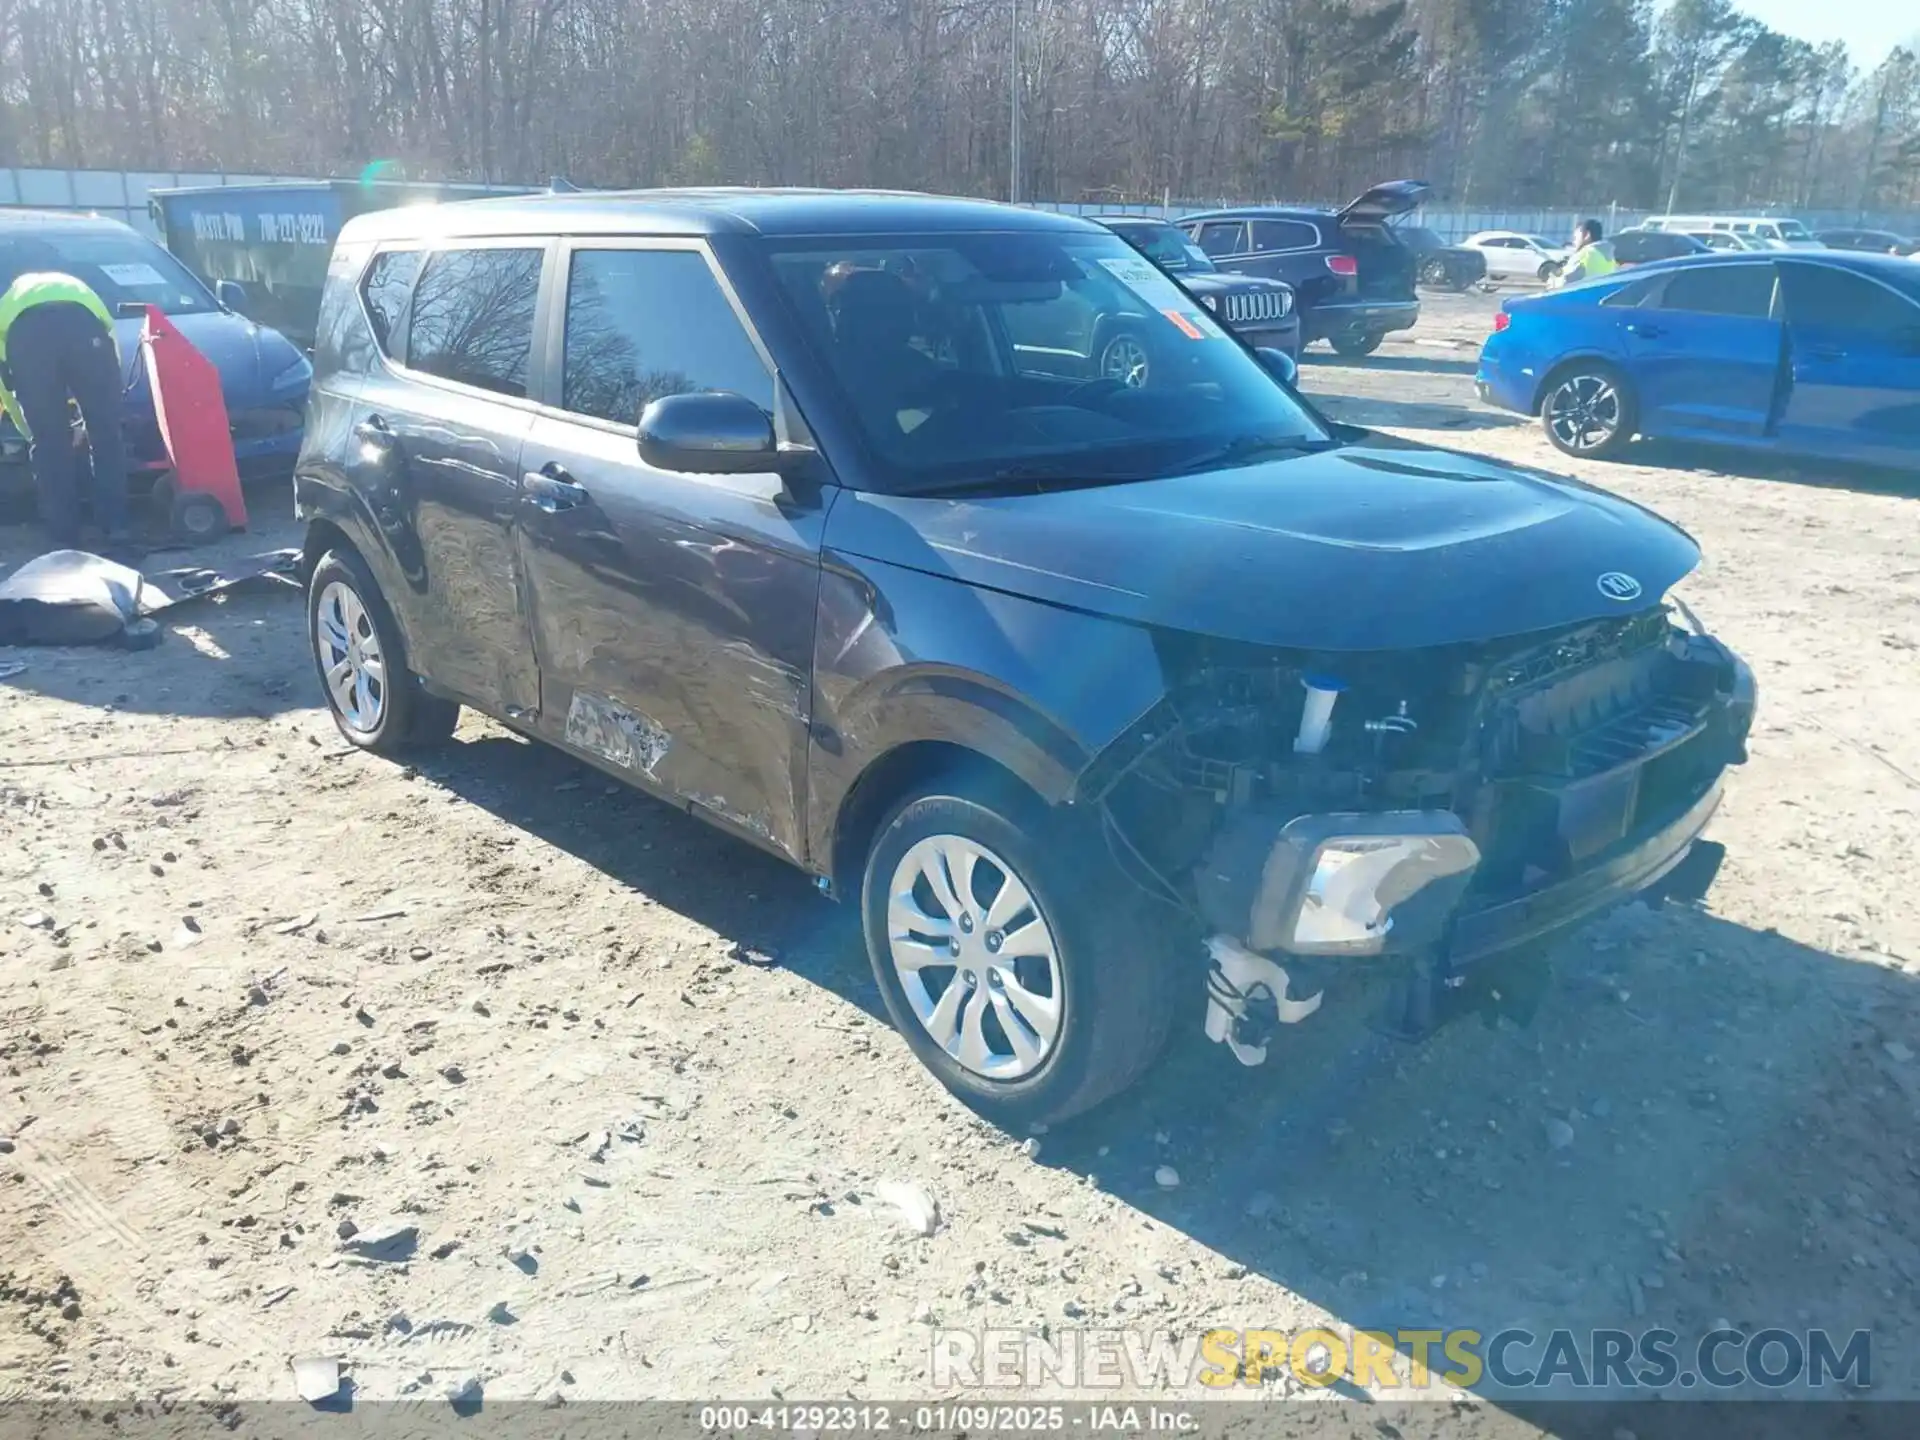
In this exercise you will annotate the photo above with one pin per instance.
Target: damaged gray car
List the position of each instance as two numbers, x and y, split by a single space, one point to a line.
1112 706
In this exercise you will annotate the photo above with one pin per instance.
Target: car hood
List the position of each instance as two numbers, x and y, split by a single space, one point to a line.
1378 545
1219 282
1383 202
248 356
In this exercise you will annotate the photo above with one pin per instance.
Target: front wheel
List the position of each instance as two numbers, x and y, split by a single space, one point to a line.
1012 957
1355 342
1588 411
1434 272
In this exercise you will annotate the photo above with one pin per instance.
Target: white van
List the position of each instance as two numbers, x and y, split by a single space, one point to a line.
1772 232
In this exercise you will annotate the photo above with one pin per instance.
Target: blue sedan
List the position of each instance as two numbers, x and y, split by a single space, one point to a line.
1809 353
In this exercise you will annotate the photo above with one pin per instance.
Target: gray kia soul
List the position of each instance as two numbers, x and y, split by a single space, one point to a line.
1112 699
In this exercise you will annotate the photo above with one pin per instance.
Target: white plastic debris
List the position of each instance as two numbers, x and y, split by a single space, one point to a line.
1166 1177
1240 979
316 1378
918 1212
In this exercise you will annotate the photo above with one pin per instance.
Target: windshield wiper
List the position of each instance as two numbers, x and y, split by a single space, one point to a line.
1063 472
1243 448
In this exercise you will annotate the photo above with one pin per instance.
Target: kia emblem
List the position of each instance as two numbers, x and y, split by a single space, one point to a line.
1616 586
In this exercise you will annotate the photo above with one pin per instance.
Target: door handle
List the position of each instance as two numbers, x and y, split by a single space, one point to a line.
551 489
1645 331
1826 352
373 431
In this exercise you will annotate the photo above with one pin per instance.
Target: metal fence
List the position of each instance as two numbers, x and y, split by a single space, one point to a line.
116 194
122 195
1456 223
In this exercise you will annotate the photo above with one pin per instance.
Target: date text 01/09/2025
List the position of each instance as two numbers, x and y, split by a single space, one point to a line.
947 1419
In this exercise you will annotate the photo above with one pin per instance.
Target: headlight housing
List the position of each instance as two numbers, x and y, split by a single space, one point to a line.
1362 884
297 374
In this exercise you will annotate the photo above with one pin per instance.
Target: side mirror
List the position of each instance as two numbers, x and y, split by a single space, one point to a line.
232 295
1279 364
714 432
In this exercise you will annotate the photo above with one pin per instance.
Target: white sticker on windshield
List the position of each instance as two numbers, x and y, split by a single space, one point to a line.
134 275
1150 283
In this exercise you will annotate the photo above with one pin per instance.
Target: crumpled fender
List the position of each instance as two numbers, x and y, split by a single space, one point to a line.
903 656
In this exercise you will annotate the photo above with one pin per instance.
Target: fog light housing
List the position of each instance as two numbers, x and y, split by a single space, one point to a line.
1361 884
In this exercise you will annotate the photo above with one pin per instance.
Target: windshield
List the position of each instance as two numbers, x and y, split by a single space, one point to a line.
992 357
1792 230
1167 247
1540 242
119 267
1419 237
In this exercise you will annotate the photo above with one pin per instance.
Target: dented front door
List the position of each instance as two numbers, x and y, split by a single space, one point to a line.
672 614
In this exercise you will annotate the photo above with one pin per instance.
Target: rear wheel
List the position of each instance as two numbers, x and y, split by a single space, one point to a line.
1123 359
1355 342
1013 958
1588 411
374 698
1434 272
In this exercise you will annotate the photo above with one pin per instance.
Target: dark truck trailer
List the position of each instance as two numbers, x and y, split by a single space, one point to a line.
273 241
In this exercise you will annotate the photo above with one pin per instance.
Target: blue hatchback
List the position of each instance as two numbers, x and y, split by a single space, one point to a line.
1806 353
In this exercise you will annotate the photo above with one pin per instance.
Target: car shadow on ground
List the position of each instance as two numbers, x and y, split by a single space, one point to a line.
1575 1151
1822 474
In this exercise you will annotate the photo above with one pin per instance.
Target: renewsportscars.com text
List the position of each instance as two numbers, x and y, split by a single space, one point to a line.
1654 1359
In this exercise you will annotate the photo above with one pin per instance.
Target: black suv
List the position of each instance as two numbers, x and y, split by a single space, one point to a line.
1438 264
1260 312
1874 242
811 514
1352 280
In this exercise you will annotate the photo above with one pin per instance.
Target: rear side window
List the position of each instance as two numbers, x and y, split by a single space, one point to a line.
646 323
385 290
1223 237
1722 290
1836 299
342 341
1284 235
472 317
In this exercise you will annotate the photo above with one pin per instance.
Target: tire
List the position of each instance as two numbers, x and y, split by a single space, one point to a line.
1434 272
1546 271
1355 342
1611 413
1109 982
196 518
390 711
1123 357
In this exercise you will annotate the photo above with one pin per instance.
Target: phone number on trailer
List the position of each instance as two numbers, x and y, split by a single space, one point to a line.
876 1418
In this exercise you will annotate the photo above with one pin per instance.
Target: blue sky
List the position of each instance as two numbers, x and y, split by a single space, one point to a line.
1870 27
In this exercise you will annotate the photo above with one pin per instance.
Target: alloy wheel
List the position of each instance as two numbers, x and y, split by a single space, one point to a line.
975 957
1584 411
350 657
1125 360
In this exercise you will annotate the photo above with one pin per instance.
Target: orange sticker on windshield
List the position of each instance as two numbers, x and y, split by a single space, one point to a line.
1186 326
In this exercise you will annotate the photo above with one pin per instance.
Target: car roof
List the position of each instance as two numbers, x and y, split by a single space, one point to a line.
712 211
1264 212
1883 267
61 222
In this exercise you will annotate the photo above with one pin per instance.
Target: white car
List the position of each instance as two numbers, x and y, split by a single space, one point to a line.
1512 255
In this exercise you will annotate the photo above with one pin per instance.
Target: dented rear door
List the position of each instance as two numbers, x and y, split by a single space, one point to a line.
672 614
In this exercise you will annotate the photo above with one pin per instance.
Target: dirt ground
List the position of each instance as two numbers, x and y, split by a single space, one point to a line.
486 1071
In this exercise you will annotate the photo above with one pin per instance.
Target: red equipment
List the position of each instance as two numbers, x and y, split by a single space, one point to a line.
202 498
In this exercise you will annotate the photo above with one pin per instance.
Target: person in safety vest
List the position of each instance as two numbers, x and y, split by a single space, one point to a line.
56 344
1592 257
